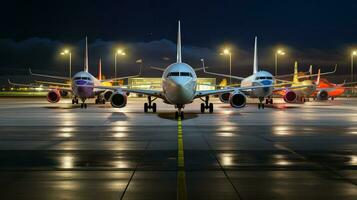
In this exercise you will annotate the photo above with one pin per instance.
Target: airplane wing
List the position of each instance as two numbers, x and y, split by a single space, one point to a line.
292 87
49 76
325 73
223 75
154 93
37 86
53 83
158 68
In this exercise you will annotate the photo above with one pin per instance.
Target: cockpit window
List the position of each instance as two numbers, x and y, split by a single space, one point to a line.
85 78
77 78
81 78
179 74
263 77
173 74
185 74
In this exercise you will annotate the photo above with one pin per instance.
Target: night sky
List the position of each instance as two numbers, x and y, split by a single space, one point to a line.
312 32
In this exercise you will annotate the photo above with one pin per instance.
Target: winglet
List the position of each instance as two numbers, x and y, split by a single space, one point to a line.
255 62
30 71
179 59
203 65
310 70
86 56
8 80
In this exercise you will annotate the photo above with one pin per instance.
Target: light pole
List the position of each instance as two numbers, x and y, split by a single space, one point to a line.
277 53
121 53
67 52
354 53
229 53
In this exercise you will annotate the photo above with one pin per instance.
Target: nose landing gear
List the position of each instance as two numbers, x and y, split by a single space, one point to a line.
206 105
261 104
150 105
83 104
179 113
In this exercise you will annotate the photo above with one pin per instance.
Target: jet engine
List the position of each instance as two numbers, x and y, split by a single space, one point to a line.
118 99
53 96
322 95
224 97
107 94
290 97
237 99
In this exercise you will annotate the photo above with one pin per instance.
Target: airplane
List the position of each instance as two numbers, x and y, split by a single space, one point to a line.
300 95
82 85
179 81
258 78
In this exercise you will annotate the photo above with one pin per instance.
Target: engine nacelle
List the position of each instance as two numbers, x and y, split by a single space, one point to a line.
224 97
53 96
290 97
322 95
237 99
107 94
118 99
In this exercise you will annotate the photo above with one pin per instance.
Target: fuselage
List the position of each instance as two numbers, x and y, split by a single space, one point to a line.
179 83
304 91
83 84
259 78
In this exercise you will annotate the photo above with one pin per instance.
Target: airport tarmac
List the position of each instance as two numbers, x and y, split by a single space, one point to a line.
59 151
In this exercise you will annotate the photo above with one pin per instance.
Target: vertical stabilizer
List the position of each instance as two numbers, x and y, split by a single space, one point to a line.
318 78
310 71
179 60
86 57
255 62
100 70
295 80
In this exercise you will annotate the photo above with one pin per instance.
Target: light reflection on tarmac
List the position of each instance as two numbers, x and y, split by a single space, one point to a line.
52 151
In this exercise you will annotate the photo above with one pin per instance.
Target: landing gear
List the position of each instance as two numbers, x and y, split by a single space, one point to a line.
269 100
179 113
332 98
74 100
261 104
99 100
150 105
206 105
83 104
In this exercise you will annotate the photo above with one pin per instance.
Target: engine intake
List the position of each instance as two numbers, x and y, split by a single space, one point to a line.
322 95
53 96
290 97
118 99
237 100
224 98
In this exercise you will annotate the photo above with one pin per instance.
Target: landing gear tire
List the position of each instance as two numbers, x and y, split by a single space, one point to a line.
210 108
263 106
271 101
267 101
181 115
259 104
146 107
82 105
176 115
85 105
202 108
73 101
76 101
96 101
154 107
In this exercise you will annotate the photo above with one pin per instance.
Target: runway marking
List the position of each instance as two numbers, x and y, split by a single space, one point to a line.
181 175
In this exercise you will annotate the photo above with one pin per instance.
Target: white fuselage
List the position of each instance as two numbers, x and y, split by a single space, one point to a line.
259 78
179 83
83 84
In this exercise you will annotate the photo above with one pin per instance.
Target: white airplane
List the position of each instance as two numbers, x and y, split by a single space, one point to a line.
259 78
179 83
83 85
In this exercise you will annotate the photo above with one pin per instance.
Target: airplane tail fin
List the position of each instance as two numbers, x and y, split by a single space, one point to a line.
318 77
86 57
296 74
100 70
179 59
255 62
310 71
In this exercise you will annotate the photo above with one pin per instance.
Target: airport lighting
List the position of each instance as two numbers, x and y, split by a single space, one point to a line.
67 52
277 53
228 52
119 52
354 53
